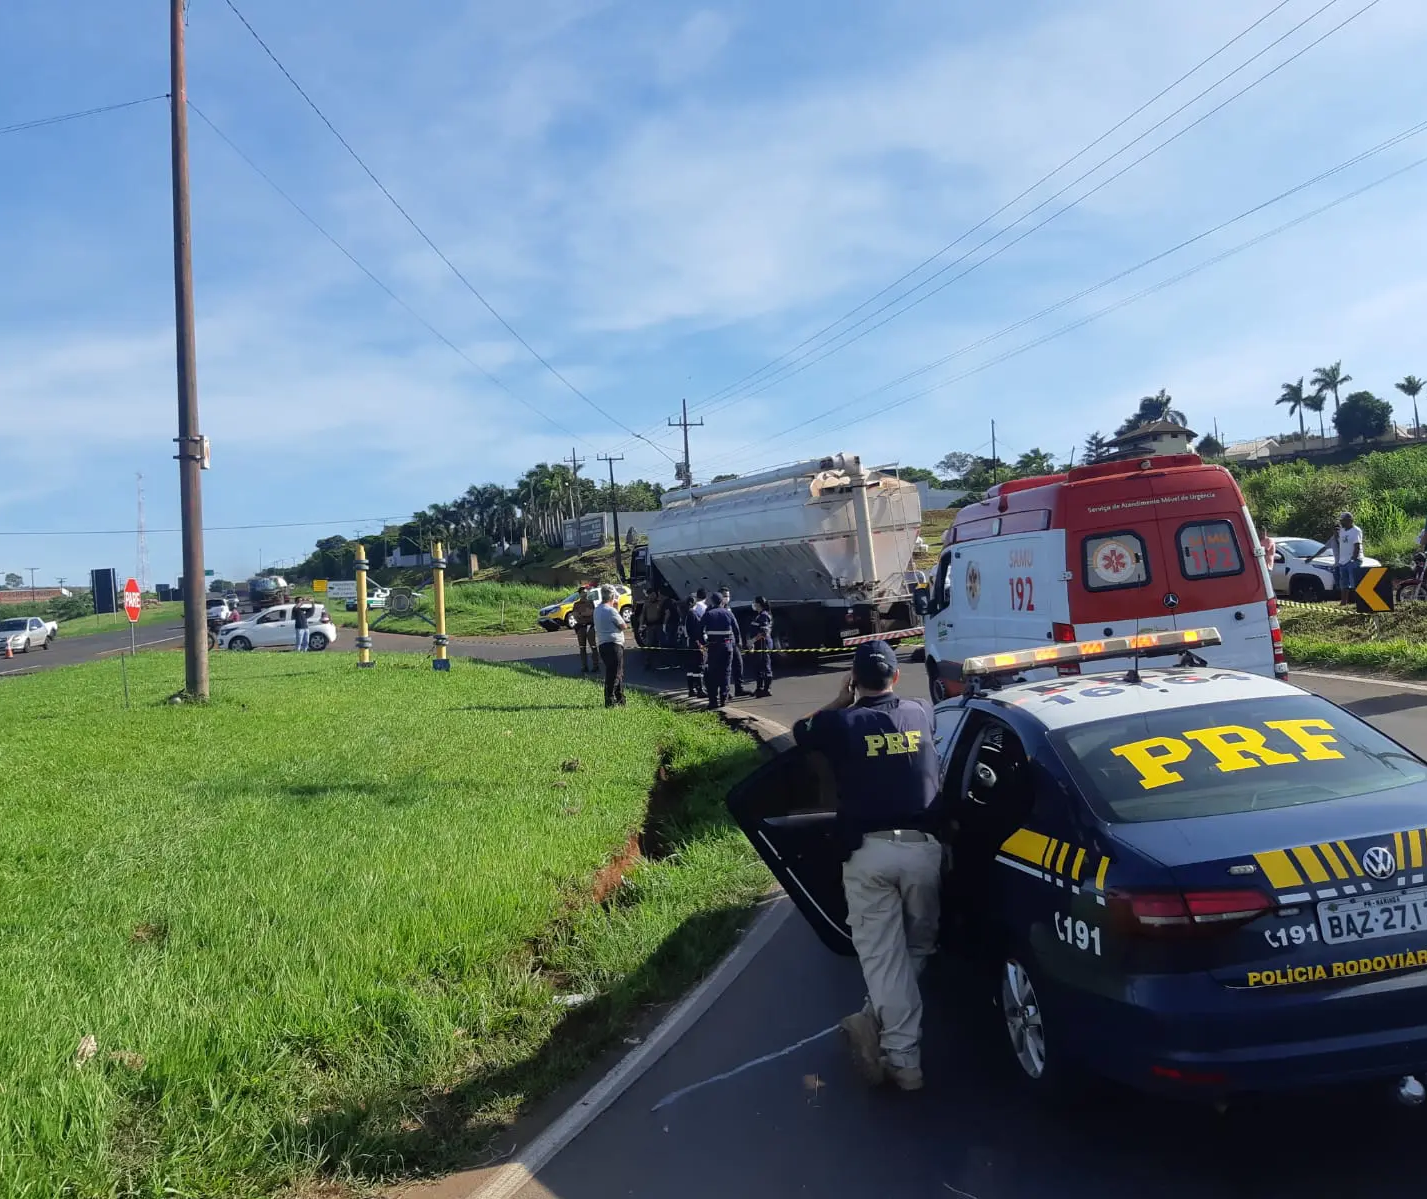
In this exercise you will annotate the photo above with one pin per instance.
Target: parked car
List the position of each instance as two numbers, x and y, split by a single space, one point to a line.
1303 569
274 627
376 598
24 633
561 615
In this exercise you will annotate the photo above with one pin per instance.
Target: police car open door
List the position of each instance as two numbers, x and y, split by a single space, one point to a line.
785 808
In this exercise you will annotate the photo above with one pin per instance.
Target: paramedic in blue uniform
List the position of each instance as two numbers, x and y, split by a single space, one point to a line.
763 642
880 748
738 687
720 633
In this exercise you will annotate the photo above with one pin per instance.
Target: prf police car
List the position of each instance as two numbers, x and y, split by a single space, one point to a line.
1185 878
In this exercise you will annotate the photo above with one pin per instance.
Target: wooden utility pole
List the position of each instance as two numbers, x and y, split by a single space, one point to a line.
614 510
686 424
192 455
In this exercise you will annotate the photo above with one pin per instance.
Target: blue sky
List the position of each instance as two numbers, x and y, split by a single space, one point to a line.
661 199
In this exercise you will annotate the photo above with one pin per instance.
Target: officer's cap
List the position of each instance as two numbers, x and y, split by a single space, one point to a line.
873 665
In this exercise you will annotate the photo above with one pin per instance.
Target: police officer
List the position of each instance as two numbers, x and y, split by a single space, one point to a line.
881 751
738 687
720 634
762 642
583 610
693 629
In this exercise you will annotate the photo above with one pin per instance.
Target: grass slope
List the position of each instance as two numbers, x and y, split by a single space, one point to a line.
319 926
1333 638
473 609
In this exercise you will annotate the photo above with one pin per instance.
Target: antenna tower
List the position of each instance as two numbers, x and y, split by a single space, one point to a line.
143 547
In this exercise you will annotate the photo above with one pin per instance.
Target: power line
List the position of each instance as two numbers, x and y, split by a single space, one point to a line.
1085 149
836 345
44 122
292 524
352 258
1102 312
410 220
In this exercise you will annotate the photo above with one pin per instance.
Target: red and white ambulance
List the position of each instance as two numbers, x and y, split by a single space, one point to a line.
1132 546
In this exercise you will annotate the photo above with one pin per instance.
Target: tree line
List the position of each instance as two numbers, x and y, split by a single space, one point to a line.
1359 416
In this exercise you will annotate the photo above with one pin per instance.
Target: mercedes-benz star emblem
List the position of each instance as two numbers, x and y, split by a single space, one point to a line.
1171 600
1379 862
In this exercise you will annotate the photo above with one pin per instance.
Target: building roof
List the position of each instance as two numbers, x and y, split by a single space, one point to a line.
1153 429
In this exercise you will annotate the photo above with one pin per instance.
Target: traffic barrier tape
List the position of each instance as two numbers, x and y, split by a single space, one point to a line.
821 649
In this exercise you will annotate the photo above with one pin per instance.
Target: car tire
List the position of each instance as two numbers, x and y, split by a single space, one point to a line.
240 643
627 611
1039 1060
569 620
936 685
316 642
1305 590
46 645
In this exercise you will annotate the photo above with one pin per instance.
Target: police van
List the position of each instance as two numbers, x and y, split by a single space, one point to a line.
1109 550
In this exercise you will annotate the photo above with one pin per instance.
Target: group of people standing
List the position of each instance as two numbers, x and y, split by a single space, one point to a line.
703 629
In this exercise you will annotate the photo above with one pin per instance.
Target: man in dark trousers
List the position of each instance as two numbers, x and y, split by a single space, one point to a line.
694 640
720 631
301 616
583 610
881 752
738 687
763 645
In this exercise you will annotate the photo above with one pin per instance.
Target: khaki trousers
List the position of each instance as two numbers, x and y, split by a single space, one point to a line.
893 909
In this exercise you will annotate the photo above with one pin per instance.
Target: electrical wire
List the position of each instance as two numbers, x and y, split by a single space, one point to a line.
1096 315
836 345
427 325
293 524
441 254
60 119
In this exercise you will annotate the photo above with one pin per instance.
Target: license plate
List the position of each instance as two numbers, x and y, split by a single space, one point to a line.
1369 917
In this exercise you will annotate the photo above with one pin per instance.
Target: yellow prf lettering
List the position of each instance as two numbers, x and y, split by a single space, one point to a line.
1240 752
1314 747
895 744
1152 758
875 741
914 740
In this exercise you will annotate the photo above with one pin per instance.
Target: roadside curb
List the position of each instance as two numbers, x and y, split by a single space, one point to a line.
1367 680
511 1178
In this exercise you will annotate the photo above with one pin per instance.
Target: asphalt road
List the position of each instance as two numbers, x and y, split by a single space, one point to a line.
711 1119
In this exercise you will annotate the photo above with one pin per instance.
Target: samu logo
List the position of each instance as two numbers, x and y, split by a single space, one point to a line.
973 584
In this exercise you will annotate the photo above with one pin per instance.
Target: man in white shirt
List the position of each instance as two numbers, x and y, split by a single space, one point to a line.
1347 545
609 641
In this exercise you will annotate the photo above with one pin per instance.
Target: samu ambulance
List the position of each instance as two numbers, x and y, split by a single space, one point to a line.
1110 550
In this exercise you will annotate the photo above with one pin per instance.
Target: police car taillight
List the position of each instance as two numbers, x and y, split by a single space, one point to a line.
1088 651
1275 632
1171 912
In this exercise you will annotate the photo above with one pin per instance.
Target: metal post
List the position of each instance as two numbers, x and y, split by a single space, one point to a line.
438 570
124 673
995 465
32 570
190 441
364 634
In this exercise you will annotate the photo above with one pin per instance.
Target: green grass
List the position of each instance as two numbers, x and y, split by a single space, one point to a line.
318 927
473 609
1332 638
86 626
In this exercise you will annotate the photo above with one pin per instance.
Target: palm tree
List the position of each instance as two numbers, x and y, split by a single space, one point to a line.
1409 387
1159 406
1035 462
1330 378
1316 401
1295 399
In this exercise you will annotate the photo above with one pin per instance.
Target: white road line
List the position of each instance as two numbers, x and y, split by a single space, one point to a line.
672 1096
124 649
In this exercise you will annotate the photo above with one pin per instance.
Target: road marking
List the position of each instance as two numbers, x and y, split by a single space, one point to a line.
22 670
124 649
673 1096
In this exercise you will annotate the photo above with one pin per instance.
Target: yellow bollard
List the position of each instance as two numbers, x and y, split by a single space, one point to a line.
438 570
364 636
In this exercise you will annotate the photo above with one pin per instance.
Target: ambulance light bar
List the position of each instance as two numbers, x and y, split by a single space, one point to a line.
1141 644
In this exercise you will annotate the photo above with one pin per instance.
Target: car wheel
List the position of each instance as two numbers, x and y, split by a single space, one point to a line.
45 645
240 643
317 642
627 611
936 685
1306 590
570 620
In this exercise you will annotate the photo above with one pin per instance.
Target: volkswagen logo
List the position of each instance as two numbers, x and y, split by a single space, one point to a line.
1379 862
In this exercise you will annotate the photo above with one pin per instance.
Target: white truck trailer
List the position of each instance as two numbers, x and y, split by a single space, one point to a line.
827 541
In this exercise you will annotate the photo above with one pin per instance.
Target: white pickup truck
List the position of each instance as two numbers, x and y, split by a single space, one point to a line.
21 634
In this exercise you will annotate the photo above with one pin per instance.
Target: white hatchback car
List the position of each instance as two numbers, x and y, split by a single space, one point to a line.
274 627
1303 569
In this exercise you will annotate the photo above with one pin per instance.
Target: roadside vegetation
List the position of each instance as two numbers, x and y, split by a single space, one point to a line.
336 924
473 609
77 619
1327 637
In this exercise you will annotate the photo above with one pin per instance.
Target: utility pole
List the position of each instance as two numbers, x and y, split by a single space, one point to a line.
143 546
995 465
686 424
32 570
614 510
192 448
575 464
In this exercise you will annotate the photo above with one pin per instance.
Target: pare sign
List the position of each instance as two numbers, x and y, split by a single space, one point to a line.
1230 747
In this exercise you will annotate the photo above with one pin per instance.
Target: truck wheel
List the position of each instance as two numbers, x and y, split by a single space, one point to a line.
936 685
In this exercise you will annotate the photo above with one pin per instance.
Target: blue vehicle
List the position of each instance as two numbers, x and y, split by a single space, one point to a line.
1190 880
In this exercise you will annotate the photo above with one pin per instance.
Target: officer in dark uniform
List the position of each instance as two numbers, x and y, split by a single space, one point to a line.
881 751
738 687
720 633
763 643
694 643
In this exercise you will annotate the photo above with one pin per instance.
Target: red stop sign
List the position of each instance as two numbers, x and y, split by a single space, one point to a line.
133 601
